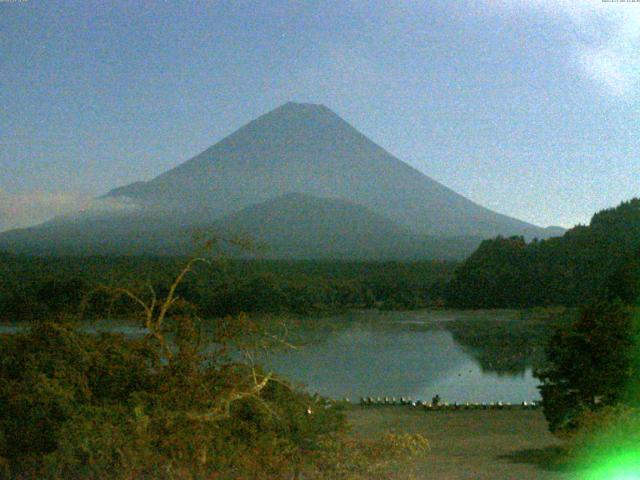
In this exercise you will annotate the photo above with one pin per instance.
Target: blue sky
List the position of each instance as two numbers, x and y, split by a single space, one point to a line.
530 107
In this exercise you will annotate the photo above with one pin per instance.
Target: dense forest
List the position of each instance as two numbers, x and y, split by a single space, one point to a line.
589 370
40 287
585 263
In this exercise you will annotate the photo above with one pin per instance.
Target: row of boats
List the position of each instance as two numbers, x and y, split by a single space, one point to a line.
437 405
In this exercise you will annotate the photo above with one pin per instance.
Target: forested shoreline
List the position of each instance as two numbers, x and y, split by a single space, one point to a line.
585 264
80 405
33 288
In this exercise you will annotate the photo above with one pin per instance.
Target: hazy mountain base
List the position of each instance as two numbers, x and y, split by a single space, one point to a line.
294 226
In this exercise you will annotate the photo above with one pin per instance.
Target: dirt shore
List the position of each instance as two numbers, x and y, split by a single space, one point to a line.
478 445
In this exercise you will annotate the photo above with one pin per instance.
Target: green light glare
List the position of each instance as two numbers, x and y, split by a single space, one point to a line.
614 452
616 466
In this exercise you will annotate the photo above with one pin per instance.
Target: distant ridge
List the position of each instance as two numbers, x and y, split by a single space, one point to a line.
301 226
301 149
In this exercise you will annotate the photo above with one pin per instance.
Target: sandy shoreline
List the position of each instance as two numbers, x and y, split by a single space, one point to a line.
479 445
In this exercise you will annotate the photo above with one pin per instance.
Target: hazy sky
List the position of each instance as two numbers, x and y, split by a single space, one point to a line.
531 107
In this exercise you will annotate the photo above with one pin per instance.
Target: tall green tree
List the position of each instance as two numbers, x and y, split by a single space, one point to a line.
590 364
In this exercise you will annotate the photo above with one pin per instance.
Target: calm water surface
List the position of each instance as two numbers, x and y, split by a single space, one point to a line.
393 354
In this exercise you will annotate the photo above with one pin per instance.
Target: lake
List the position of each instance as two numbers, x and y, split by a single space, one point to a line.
418 355
463 356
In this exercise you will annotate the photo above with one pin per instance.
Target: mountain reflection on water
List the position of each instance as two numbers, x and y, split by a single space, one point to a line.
461 356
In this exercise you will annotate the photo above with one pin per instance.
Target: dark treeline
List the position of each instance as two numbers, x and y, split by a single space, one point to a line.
37 287
588 262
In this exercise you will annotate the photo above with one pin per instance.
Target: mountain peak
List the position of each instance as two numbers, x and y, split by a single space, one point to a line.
302 106
295 110
308 148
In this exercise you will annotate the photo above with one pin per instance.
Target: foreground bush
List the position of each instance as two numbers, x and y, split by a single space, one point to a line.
76 405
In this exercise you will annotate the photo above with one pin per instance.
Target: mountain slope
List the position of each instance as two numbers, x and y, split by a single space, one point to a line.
309 149
108 234
302 226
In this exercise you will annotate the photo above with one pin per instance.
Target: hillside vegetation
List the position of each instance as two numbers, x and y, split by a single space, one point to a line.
43 287
602 258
